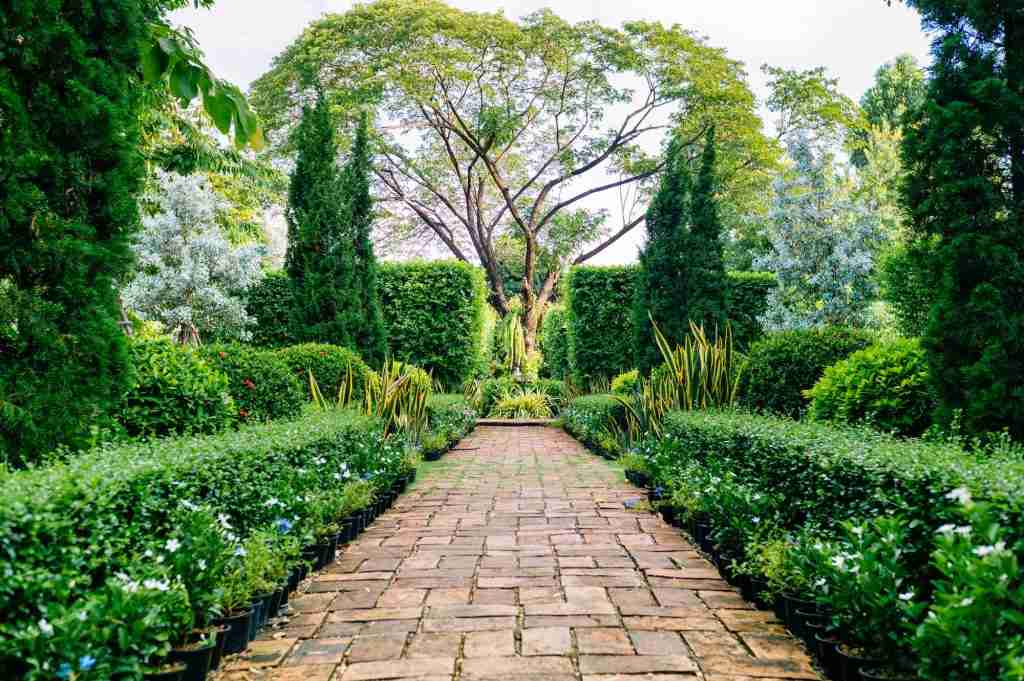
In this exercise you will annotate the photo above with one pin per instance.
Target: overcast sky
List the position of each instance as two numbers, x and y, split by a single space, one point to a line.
852 38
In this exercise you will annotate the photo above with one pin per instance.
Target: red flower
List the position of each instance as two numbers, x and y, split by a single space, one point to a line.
243 413
248 384
222 354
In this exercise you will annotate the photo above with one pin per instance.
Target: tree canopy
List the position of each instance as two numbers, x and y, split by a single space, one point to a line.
490 127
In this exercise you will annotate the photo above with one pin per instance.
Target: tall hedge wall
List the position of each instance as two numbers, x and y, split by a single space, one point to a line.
434 313
600 327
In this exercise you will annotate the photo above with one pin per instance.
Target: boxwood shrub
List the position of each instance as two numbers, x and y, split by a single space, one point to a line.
434 313
262 385
554 343
174 391
586 419
450 417
748 300
886 385
782 365
330 365
72 533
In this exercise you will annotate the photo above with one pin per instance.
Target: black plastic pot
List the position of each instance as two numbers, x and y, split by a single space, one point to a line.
275 603
294 577
285 593
218 646
791 605
882 674
812 628
196 660
850 664
170 673
332 549
236 635
759 594
808 621
826 650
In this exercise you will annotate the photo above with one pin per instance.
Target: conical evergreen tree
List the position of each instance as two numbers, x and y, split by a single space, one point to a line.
682 272
369 333
703 279
320 260
964 154
659 290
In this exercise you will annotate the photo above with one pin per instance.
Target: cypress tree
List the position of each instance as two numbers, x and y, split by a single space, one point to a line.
71 170
704 279
320 259
682 272
964 154
660 290
369 334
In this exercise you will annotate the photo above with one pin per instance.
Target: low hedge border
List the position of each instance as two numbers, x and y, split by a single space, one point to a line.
913 546
450 417
586 419
74 536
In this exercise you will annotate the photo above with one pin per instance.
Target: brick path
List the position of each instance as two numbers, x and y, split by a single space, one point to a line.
517 558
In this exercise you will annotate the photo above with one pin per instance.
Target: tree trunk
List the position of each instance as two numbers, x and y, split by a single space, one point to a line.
535 307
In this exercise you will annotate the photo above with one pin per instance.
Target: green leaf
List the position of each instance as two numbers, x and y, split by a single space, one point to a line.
220 108
154 62
184 82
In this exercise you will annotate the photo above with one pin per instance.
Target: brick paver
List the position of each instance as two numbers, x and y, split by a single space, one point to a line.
518 557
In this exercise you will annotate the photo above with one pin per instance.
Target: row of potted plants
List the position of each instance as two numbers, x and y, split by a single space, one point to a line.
264 570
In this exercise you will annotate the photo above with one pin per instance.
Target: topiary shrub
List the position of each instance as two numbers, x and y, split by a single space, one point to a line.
434 314
748 301
270 301
599 321
625 383
887 385
261 383
174 392
554 343
783 364
330 366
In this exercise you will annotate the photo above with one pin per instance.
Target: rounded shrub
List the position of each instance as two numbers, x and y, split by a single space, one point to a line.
886 385
262 385
330 365
782 365
625 383
270 301
174 391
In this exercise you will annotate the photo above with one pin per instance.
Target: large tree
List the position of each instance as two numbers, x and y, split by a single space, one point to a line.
493 127
965 187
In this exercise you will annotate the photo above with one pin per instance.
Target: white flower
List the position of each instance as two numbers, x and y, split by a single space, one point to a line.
983 551
963 530
202 564
82 616
859 531
189 505
224 521
946 529
172 545
961 495
240 551
965 602
45 627
908 596
156 585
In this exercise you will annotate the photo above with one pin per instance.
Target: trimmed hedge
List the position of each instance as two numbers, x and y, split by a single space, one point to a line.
747 301
270 302
262 385
74 536
554 343
913 547
174 391
434 313
600 326
330 365
782 365
586 419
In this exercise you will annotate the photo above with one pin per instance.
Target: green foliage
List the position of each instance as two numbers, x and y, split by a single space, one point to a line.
747 303
80 540
262 385
783 364
434 313
368 334
554 343
600 336
269 302
626 382
175 391
964 152
908 274
450 417
682 274
321 259
329 364
588 418
522 404
493 390
71 169
600 330
885 385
